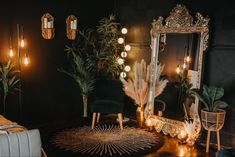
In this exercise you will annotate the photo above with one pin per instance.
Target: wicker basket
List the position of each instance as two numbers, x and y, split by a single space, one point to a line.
212 121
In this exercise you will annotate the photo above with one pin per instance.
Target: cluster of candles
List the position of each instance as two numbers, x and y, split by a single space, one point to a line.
48 23
127 48
73 24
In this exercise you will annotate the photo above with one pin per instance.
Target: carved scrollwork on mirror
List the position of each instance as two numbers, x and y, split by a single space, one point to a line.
190 38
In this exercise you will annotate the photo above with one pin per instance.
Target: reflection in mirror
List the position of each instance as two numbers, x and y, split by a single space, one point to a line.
180 57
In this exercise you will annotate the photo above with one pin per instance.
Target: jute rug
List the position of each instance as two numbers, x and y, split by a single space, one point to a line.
106 140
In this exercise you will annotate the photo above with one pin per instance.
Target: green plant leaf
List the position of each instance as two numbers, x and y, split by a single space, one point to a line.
215 93
219 104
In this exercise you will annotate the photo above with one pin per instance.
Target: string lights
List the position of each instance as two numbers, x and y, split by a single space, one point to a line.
126 48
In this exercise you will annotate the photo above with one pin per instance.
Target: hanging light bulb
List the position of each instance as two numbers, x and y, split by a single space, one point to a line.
124 30
11 53
187 59
120 40
127 68
123 74
127 47
124 54
22 43
120 61
178 69
26 59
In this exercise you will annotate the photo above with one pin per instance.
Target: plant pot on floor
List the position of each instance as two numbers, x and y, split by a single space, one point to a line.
212 121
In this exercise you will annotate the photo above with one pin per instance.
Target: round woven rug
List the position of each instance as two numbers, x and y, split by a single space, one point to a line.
107 140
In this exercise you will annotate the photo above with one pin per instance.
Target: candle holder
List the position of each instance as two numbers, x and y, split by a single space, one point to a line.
48 30
71 27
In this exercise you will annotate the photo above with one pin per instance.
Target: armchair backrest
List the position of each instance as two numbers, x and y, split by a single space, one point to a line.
109 90
21 144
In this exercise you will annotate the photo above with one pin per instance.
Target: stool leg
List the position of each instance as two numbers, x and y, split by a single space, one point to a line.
93 120
120 120
98 118
218 140
208 141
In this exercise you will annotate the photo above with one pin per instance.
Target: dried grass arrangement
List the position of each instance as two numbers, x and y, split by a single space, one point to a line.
137 87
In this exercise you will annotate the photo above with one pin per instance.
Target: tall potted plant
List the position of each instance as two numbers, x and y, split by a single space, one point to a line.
213 114
83 76
8 81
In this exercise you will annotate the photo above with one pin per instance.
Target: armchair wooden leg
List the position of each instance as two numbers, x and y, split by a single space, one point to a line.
98 118
93 120
218 140
208 141
120 120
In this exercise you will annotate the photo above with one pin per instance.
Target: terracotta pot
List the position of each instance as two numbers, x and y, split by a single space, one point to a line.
213 121
140 116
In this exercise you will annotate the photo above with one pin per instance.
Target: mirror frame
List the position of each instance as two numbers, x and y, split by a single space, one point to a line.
179 21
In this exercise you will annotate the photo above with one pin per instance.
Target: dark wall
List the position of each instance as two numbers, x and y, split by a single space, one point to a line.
47 95
219 60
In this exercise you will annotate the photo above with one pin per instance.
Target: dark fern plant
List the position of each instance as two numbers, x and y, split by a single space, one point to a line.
82 65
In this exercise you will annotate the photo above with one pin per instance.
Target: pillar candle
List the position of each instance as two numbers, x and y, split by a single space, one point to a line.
45 22
71 24
48 24
75 24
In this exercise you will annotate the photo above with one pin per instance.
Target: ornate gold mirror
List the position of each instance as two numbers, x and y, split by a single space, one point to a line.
178 42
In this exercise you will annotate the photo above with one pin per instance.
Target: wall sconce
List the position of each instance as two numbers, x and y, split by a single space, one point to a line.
48 30
71 27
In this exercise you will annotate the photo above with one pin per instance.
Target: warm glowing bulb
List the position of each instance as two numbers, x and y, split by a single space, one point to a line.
11 53
22 43
127 47
178 69
26 60
120 61
187 59
184 65
120 40
124 54
127 68
123 74
124 30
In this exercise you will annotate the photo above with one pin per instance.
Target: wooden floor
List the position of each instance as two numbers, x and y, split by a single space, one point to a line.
170 148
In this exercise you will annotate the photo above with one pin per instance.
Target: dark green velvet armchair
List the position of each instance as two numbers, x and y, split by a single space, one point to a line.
109 98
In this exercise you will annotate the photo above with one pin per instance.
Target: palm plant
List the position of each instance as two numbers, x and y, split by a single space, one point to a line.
8 80
81 67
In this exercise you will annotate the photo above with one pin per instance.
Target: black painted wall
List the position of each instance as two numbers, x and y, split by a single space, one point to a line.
48 95
219 60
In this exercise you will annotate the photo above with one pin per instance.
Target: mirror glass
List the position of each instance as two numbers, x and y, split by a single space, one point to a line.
179 53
